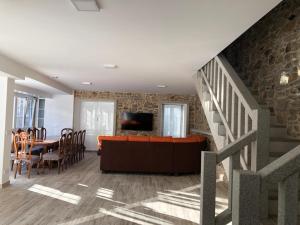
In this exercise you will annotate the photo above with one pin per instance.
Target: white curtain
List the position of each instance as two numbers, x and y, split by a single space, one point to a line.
97 118
174 120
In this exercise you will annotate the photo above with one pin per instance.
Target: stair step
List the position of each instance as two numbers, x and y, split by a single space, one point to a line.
281 145
216 117
205 88
212 106
221 130
273 194
273 200
278 131
206 96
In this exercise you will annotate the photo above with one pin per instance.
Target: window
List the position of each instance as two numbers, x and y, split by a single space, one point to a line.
97 118
41 113
174 118
24 116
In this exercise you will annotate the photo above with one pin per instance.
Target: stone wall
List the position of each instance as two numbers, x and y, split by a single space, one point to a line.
268 50
151 103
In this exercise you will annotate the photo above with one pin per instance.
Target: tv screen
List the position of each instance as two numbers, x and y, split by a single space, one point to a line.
137 121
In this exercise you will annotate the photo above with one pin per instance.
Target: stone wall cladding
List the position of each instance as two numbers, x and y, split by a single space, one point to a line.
267 49
144 102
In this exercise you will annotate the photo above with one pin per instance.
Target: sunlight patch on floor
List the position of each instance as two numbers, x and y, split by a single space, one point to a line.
167 204
105 193
54 193
173 210
135 217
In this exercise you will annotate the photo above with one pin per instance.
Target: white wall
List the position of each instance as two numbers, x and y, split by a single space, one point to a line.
58 113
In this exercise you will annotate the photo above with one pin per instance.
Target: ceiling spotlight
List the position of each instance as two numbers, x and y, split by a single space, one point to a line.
86 83
86 5
110 66
162 86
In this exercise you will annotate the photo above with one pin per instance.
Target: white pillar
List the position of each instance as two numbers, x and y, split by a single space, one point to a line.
6 119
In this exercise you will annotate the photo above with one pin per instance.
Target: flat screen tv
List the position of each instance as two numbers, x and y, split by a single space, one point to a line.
137 121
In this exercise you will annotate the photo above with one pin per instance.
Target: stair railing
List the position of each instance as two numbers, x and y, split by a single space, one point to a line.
246 134
248 187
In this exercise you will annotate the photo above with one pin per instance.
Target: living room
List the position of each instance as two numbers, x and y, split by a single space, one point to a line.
113 111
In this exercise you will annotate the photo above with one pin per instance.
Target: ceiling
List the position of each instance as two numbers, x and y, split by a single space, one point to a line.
152 41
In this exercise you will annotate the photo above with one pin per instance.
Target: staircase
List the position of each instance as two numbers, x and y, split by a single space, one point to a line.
246 136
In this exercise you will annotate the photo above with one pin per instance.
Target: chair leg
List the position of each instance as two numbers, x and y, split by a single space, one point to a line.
12 165
43 166
20 168
38 168
16 170
29 169
58 162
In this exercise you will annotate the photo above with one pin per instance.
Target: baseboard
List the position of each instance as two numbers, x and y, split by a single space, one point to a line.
6 184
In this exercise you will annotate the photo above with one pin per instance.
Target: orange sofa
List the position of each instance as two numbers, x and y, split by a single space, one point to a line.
143 154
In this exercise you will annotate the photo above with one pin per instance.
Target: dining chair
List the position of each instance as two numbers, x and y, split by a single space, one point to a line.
43 133
79 145
66 131
68 149
12 152
74 147
57 155
23 143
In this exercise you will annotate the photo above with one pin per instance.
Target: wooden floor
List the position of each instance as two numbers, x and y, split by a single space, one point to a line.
83 195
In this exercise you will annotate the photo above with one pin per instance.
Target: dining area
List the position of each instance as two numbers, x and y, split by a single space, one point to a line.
32 149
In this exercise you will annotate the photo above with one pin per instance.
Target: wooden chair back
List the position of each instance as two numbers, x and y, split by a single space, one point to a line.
23 143
83 138
43 133
69 138
75 141
66 131
62 145
40 134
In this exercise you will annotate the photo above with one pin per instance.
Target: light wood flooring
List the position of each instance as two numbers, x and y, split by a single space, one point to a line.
84 195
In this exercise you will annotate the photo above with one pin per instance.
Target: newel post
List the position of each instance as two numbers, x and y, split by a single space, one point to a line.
208 188
260 151
246 198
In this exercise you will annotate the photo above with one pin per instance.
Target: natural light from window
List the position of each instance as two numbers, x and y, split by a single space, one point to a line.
54 193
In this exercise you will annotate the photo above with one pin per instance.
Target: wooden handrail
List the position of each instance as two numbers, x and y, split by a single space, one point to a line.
236 146
236 81
246 129
285 172
282 167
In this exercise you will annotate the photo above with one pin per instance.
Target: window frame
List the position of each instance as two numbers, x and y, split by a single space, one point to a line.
21 95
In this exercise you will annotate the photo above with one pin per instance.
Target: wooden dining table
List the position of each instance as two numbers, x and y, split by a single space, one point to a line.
46 143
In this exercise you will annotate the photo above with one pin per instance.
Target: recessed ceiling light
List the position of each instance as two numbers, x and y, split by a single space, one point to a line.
86 83
162 86
86 5
110 66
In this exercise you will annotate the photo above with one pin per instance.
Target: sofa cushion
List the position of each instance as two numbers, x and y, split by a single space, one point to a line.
160 139
138 138
198 137
110 138
186 140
